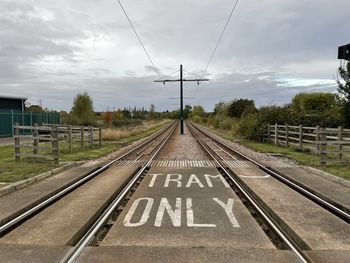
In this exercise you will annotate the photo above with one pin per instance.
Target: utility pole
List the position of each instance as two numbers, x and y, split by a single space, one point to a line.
181 80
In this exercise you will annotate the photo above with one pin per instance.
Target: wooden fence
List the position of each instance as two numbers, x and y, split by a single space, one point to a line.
48 141
332 144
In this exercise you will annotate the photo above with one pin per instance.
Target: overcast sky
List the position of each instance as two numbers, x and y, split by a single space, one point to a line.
272 49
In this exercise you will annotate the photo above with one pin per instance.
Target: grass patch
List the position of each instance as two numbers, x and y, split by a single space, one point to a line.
303 158
10 171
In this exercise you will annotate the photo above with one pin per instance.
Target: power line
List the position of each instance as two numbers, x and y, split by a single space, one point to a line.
138 37
222 33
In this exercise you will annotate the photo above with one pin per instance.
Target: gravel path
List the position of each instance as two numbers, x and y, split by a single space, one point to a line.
183 147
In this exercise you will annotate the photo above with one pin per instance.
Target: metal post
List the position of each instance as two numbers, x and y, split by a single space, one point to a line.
12 123
181 103
17 143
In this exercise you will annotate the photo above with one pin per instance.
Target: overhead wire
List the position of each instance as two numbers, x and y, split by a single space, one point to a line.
139 39
221 35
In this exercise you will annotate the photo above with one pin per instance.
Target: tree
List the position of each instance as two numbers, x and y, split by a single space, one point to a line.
152 112
107 117
187 111
237 107
344 90
198 111
35 108
317 108
82 110
220 108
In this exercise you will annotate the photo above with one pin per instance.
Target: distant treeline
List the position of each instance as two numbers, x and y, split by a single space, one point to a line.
309 109
82 113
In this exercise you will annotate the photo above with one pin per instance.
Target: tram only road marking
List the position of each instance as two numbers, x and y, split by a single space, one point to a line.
193 180
175 213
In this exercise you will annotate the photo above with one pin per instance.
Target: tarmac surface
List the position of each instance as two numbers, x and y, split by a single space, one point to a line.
15 202
63 222
186 207
330 189
317 227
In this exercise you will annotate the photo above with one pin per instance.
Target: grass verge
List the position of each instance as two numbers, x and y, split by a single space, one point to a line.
303 158
10 171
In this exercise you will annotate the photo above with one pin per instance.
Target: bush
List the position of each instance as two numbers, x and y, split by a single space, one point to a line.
248 127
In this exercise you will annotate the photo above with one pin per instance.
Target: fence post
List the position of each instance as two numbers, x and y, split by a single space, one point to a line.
100 136
36 140
70 138
12 131
300 137
323 146
17 143
276 134
317 141
340 141
31 118
91 129
287 135
268 133
82 137
55 143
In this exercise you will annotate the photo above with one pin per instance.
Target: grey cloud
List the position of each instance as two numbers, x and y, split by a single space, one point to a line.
53 50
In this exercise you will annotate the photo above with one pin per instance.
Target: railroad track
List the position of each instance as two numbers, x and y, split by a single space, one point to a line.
89 236
221 152
136 152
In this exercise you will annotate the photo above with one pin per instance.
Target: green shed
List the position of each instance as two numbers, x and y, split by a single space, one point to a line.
12 111
12 103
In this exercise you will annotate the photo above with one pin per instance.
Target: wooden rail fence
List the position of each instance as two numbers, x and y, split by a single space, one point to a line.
47 141
332 144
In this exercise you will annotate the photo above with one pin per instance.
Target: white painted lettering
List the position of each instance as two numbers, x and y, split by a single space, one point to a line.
145 214
175 215
194 179
228 209
207 178
190 218
153 179
177 179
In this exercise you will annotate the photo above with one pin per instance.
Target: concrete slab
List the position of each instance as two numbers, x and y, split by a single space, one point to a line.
184 207
328 188
30 254
320 229
323 256
65 221
184 255
17 202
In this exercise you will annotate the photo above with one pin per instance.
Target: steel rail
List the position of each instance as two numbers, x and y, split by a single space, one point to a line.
344 215
301 256
76 251
22 217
